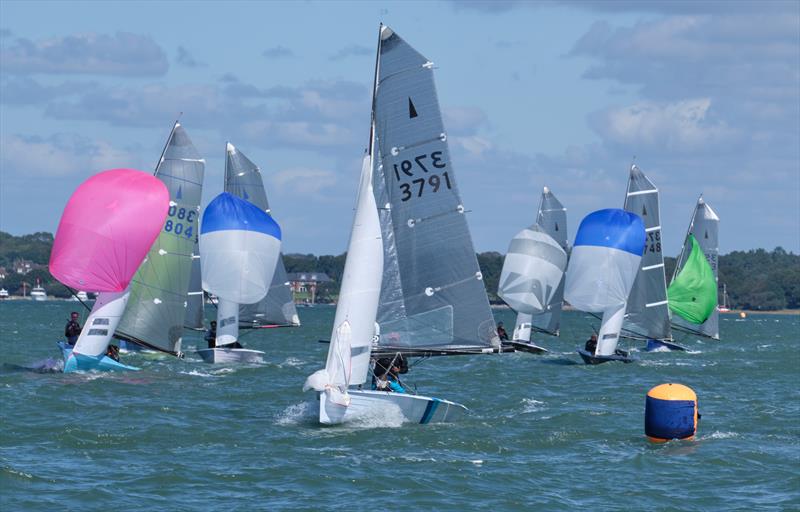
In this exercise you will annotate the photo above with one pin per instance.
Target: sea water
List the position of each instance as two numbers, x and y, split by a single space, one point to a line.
544 432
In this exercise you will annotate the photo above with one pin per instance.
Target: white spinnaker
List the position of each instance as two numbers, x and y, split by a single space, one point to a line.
532 271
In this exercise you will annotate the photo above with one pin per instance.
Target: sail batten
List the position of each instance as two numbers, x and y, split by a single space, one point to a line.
433 293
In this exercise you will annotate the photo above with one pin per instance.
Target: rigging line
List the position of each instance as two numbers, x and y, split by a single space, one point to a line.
76 296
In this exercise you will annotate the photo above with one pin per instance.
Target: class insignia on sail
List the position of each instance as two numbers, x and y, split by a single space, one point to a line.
106 230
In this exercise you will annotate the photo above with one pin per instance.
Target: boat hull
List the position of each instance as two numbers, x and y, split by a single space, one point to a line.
83 363
414 408
661 345
590 358
230 355
525 346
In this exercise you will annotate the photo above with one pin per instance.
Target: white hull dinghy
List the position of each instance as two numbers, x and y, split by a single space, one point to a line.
396 299
222 355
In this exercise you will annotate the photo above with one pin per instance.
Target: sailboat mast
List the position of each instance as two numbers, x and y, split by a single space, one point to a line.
371 145
166 145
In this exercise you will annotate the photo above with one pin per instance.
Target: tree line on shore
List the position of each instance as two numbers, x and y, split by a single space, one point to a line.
756 279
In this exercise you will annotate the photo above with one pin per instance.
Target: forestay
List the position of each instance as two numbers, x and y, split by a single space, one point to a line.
158 303
705 229
647 313
243 179
603 265
433 295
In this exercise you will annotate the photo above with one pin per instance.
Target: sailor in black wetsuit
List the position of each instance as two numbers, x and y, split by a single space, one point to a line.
72 329
591 344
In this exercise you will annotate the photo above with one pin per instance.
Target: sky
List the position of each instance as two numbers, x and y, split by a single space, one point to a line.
705 96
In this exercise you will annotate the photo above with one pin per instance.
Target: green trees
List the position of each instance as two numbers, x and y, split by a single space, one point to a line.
757 279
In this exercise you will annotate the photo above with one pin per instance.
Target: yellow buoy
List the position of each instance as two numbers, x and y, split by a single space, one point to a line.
670 412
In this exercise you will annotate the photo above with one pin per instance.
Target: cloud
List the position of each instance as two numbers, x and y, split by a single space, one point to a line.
122 54
354 50
60 155
464 120
277 52
303 181
682 126
25 90
185 59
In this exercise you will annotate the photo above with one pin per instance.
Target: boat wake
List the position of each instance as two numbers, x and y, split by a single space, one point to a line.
297 414
49 365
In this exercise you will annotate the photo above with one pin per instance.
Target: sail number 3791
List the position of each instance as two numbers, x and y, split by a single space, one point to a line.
428 182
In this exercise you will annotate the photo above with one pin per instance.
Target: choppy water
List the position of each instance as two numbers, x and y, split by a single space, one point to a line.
544 432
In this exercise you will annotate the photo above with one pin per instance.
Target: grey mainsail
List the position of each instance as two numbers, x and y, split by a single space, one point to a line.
552 218
159 290
432 295
647 314
705 228
243 179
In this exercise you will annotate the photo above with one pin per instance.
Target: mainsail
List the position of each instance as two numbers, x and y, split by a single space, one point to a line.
704 227
647 313
159 297
604 262
552 218
243 179
195 314
433 296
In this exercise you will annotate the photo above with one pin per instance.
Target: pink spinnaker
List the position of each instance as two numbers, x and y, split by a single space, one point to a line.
107 228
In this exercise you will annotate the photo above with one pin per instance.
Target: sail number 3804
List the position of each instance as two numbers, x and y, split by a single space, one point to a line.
429 182
176 217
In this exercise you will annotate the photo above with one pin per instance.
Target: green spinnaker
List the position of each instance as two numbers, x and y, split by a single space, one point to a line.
692 294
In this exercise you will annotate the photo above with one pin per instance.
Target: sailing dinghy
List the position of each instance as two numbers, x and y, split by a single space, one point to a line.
411 283
239 249
603 266
693 289
647 313
107 227
161 294
243 179
532 279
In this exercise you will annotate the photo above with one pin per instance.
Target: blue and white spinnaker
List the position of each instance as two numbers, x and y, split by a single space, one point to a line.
239 249
602 268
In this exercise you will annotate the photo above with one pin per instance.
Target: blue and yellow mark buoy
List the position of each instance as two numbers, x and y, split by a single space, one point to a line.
670 412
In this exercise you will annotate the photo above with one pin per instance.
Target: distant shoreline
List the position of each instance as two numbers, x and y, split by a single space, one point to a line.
731 312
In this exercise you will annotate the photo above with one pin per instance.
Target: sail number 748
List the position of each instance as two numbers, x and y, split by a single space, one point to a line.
430 181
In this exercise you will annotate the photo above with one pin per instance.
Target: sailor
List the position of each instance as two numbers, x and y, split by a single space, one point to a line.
501 332
72 329
591 344
113 352
388 380
211 334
